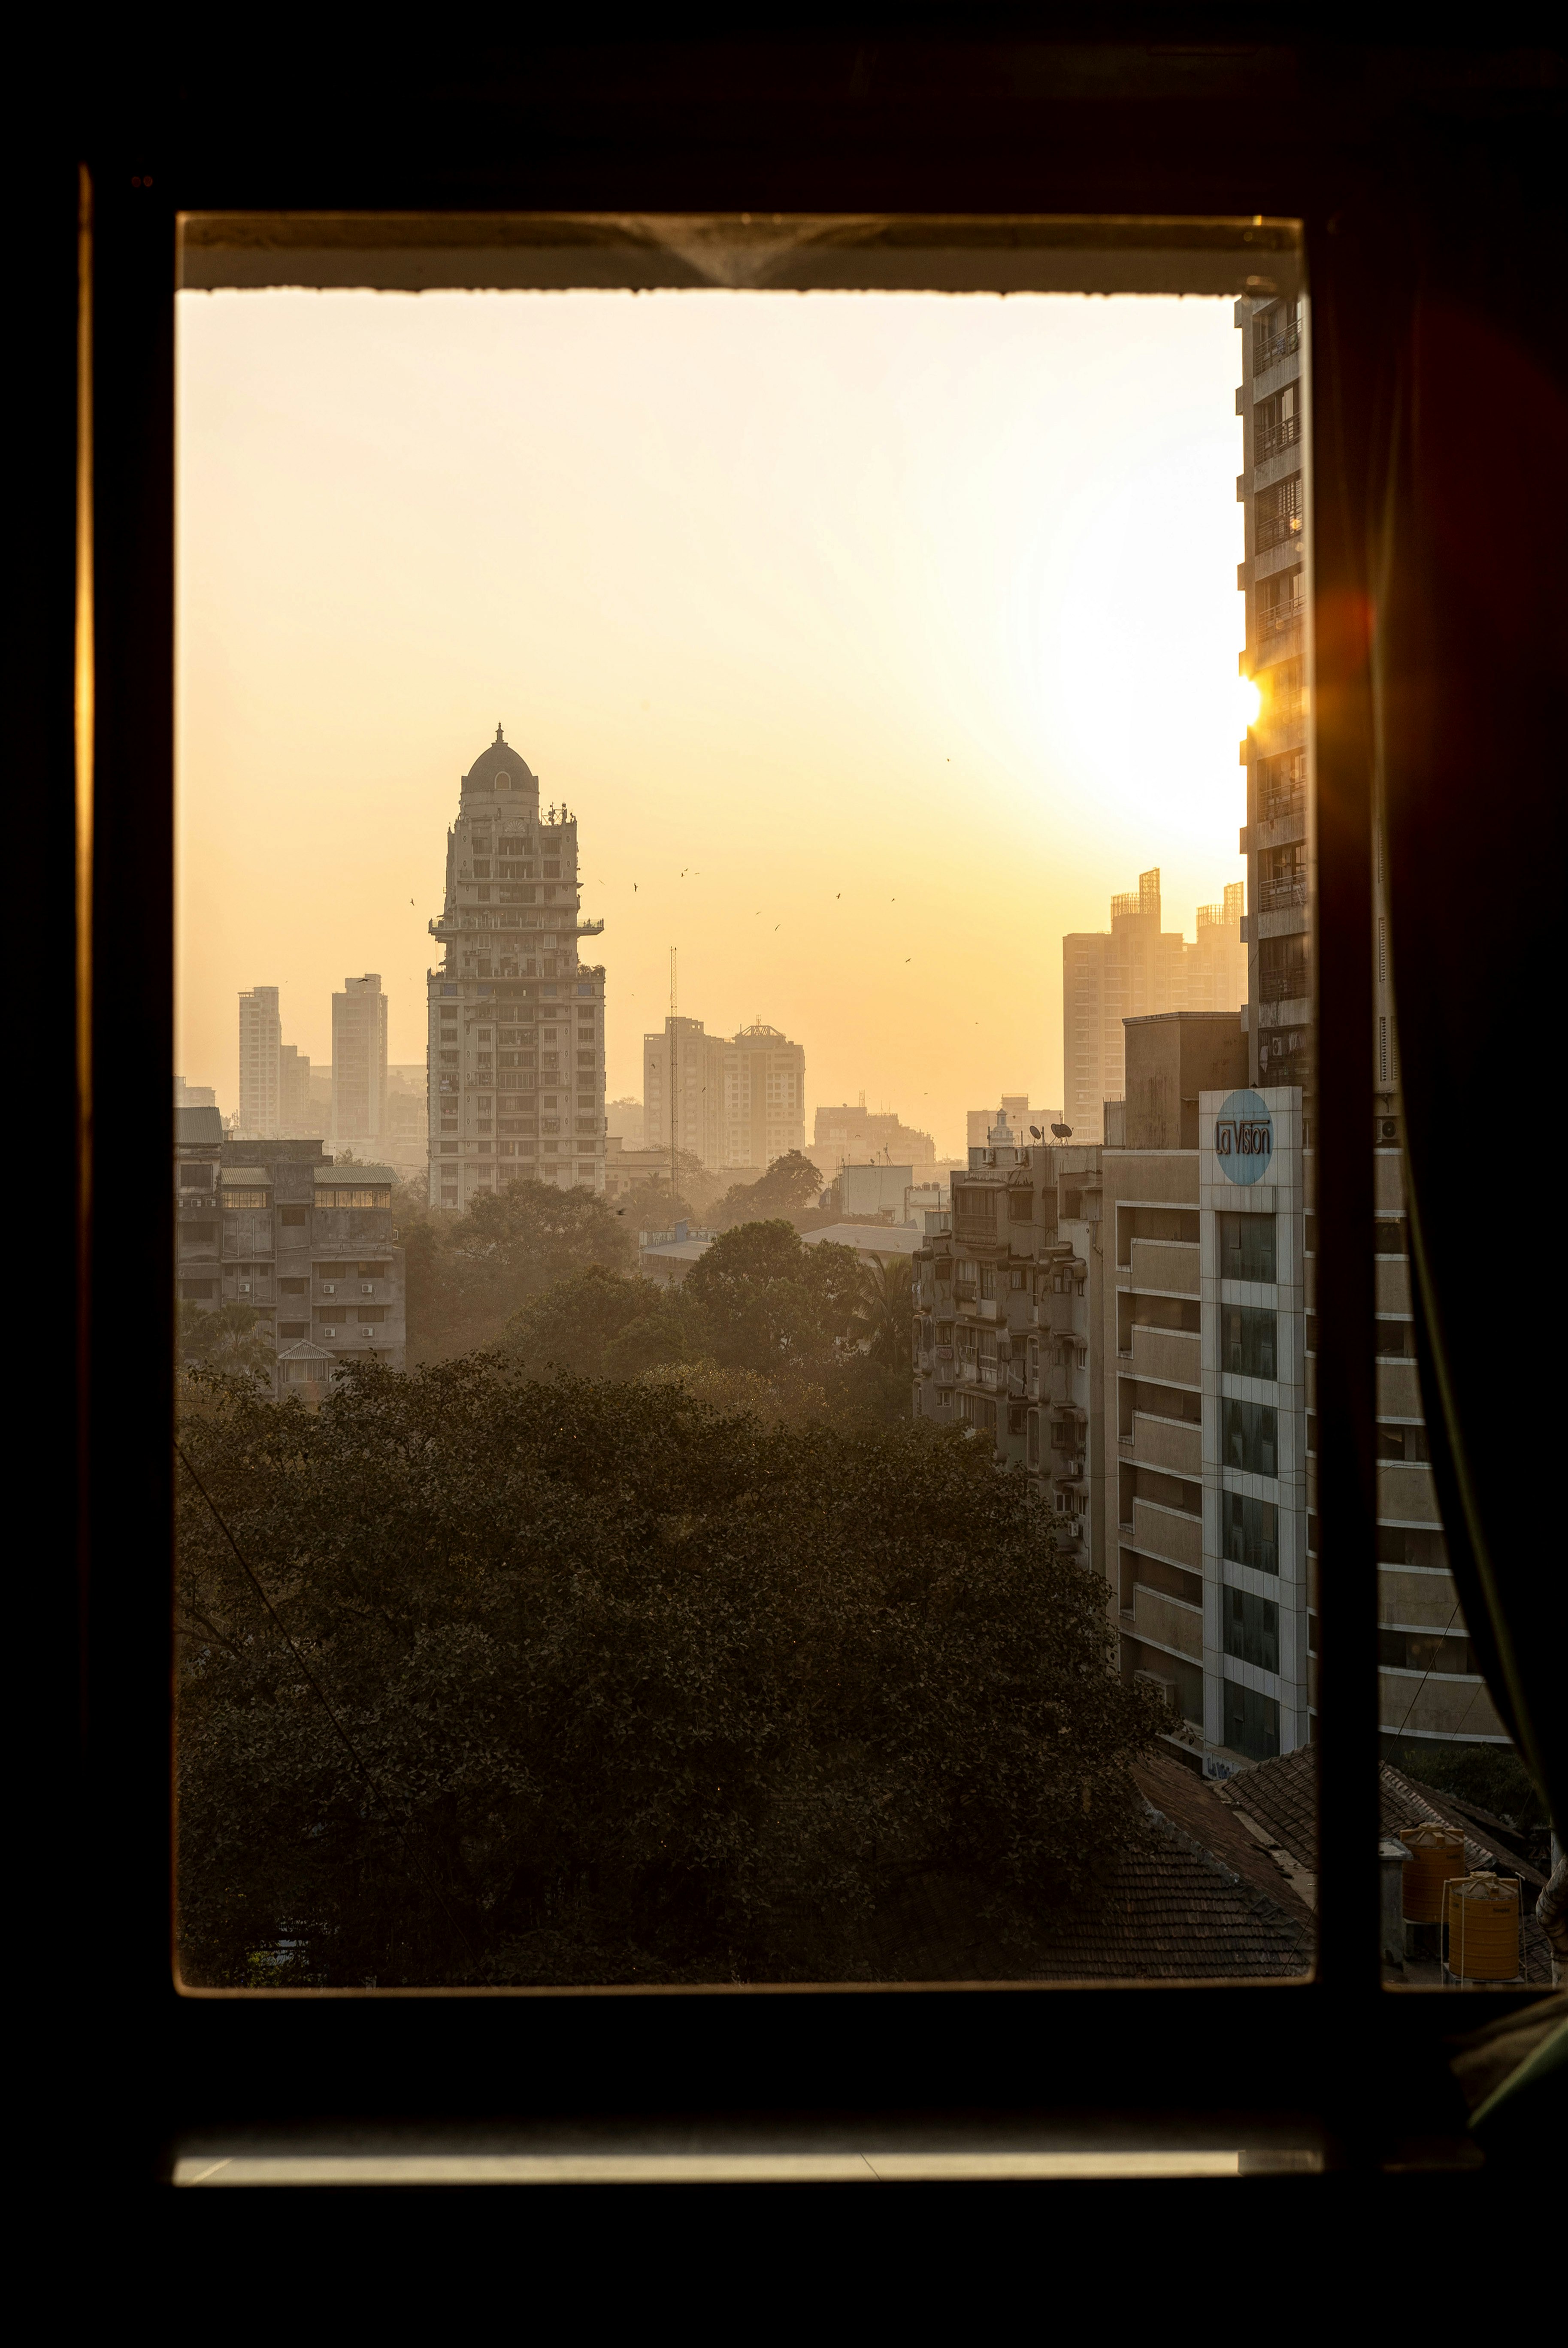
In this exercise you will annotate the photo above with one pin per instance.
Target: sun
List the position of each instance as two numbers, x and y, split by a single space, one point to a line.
1252 700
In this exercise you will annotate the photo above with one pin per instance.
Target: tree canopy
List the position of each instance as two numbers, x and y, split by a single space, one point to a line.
466 1279
640 1691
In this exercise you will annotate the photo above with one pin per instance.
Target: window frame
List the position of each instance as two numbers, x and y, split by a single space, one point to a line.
648 134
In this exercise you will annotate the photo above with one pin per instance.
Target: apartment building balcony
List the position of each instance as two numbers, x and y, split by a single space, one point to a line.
965 1292
1289 985
1274 896
1391 1283
1275 436
1067 1468
1174 1445
1166 1622
1270 620
1168 1356
1278 530
1418 1601
1407 1494
1399 1390
1435 1705
1269 347
1168 1533
1162 1266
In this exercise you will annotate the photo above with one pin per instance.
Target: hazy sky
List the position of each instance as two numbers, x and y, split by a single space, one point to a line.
876 639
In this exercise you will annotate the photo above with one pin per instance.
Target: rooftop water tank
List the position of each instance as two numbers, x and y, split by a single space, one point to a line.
1481 1912
1436 1854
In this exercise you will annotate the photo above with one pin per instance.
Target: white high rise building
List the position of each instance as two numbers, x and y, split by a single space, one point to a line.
516 1020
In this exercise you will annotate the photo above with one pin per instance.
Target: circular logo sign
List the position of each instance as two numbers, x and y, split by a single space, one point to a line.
1244 1138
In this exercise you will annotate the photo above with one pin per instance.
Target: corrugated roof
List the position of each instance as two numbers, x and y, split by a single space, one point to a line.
353 1177
247 1177
197 1128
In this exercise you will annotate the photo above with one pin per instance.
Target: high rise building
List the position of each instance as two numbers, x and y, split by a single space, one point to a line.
1136 970
260 1074
294 1090
1429 1689
516 1020
731 1100
854 1135
358 1060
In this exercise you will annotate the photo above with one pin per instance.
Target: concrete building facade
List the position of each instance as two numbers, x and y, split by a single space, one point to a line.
1136 970
851 1133
308 1246
359 1061
1428 1687
261 1045
731 1100
516 1032
1007 1324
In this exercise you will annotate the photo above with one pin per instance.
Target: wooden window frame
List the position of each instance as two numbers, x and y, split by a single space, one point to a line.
970 124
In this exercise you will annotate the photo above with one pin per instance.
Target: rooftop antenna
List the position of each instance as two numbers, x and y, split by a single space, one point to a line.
674 1092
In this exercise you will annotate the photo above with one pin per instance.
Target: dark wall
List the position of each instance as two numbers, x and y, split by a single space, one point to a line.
1171 1059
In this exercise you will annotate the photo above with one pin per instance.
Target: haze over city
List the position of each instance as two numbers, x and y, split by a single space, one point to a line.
875 640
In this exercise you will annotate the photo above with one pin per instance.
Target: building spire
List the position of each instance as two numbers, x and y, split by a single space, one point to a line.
498 735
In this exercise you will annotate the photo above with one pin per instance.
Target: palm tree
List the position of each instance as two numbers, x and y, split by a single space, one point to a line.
884 1313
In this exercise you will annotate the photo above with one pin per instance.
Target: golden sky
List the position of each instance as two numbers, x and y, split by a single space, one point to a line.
874 639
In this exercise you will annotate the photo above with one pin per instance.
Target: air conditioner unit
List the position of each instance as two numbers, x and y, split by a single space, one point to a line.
368 1288
329 1288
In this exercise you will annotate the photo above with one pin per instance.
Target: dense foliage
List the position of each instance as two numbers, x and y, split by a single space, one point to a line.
823 1329
467 1276
647 1693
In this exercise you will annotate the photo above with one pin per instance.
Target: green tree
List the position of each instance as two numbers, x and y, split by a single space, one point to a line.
230 1338
465 1283
770 1302
603 1324
789 1184
884 1311
640 1693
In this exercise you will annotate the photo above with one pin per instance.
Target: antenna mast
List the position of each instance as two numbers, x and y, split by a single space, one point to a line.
675 1093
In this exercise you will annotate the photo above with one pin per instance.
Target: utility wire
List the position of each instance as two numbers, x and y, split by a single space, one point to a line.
360 1764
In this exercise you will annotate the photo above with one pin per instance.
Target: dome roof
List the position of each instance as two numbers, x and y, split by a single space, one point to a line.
499 760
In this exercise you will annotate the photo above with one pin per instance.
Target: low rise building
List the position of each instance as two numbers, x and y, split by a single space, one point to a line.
1006 1331
309 1247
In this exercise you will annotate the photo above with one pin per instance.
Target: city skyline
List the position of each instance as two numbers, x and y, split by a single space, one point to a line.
842 596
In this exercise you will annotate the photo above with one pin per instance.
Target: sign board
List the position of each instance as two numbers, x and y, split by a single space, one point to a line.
1244 1138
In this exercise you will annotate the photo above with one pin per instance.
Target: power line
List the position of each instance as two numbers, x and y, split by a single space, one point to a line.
360 1762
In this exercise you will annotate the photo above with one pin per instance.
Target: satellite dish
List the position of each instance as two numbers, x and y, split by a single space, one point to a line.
1062 1132
1035 1133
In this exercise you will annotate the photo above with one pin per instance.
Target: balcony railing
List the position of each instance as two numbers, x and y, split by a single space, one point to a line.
1275 895
1275 619
1278 805
1267 347
1275 436
1274 530
1283 985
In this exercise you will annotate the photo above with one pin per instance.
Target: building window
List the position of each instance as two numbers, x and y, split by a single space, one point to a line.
1251 1437
1249 1341
1252 1627
1251 1722
1250 1531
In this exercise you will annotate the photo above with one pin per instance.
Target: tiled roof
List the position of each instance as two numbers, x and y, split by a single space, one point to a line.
1280 1796
1192 1899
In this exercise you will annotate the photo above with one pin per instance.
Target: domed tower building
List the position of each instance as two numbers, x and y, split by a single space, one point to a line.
516 1018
